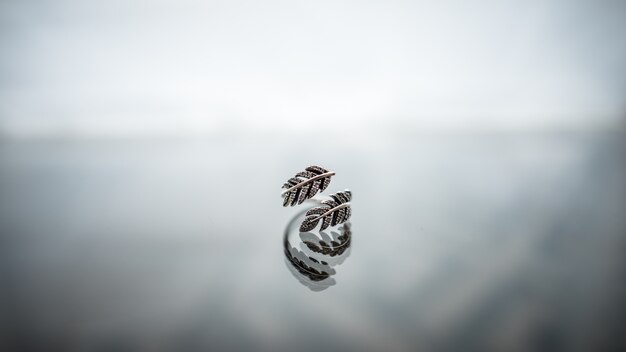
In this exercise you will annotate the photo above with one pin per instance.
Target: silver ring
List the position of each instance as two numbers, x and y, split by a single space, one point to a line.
305 185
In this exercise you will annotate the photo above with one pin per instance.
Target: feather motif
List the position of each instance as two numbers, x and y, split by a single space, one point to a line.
332 212
306 184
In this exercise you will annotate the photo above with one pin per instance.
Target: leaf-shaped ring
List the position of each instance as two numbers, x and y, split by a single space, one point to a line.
304 185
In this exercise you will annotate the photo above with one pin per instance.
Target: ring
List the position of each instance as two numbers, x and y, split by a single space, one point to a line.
305 185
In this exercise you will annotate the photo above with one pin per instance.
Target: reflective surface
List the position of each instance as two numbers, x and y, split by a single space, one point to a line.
460 242
312 256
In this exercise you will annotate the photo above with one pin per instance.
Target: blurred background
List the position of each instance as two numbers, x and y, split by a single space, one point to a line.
143 145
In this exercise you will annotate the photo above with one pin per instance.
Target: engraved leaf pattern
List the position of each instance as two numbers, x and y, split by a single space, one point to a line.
304 185
331 212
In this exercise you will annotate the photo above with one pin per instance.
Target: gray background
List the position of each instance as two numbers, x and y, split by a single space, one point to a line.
143 146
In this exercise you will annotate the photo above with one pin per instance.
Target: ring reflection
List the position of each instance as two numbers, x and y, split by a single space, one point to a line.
312 256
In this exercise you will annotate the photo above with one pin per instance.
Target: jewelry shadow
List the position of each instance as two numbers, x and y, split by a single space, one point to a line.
312 256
